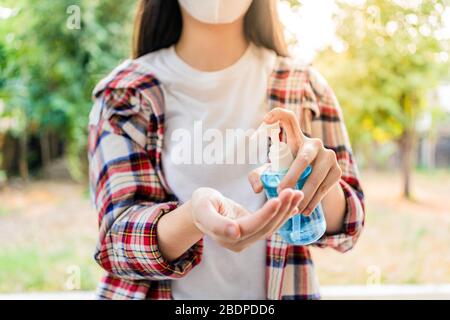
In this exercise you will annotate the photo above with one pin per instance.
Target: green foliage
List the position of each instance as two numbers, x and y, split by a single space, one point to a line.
49 68
390 58
31 269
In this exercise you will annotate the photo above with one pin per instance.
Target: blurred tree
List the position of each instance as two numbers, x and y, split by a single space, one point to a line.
389 55
52 65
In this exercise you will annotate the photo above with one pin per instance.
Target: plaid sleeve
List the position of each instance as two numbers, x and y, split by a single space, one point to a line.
127 191
335 137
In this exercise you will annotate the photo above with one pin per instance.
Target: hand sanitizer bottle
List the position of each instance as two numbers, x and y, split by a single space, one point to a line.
300 229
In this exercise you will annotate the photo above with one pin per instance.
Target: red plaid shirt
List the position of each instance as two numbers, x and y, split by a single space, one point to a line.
131 195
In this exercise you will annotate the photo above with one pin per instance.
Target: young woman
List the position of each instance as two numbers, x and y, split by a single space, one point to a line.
199 229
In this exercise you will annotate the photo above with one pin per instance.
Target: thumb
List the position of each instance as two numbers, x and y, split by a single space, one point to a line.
254 178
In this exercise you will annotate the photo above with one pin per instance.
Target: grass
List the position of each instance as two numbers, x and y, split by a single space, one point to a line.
405 241
433 172
47 238
4 212
34 269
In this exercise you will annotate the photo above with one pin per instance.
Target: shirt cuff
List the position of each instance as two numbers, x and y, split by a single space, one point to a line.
181 266
352 226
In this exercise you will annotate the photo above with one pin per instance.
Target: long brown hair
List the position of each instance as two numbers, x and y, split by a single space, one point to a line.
158 25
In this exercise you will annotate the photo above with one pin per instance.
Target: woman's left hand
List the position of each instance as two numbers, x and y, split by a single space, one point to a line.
307 151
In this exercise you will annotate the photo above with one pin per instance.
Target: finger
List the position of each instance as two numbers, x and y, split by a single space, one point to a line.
296 202
275 223
290 123
254 178
293 209
318 175
253 223
324 165
213 223
322 191
287 197
305 156
250 224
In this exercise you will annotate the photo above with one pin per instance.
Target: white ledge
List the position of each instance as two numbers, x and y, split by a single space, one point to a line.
441 291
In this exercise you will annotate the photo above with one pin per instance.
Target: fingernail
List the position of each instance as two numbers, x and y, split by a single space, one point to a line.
231 231
280 188
254 180
294 212
307 212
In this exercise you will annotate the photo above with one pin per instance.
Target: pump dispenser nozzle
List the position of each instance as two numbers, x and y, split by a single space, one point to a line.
279 154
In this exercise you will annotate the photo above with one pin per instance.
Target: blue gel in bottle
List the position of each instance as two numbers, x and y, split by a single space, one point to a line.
300 229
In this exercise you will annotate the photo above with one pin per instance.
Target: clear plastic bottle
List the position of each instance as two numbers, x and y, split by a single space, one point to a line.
300 229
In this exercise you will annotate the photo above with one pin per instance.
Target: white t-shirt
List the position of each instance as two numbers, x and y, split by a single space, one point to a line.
211 103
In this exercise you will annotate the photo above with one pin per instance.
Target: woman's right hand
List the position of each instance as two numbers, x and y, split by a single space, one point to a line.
235 228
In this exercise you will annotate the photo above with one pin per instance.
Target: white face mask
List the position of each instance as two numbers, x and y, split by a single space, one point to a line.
216 11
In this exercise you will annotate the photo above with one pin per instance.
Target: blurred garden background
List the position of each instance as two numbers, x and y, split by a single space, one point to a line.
387 60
